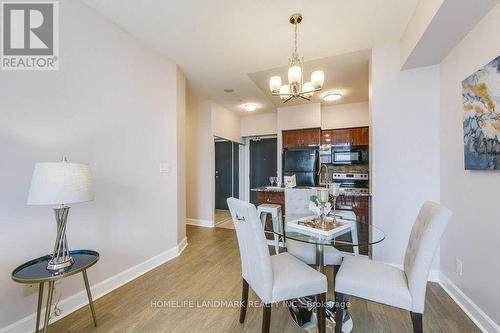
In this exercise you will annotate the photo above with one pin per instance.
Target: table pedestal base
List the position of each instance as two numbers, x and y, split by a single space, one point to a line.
304 315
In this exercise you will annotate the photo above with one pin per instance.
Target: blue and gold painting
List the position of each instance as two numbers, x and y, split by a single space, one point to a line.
481 106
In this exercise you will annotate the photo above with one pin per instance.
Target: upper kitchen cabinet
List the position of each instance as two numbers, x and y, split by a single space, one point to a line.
301 138
358 136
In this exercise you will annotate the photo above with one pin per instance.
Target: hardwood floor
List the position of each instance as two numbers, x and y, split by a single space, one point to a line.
223 219
209 270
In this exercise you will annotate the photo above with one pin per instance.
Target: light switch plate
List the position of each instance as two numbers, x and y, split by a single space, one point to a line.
164 167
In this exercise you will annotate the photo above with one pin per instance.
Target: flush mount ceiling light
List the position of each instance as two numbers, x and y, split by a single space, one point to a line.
250 107
296 88
330 97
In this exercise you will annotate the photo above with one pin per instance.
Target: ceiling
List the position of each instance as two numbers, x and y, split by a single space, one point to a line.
233 44
346 74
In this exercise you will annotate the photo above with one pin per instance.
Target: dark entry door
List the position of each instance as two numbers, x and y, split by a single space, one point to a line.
223 173
263 164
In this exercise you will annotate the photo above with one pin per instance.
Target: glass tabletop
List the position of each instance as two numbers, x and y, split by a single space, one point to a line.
36 270
351 233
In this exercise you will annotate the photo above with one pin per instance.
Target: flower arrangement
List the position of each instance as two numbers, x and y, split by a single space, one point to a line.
319 208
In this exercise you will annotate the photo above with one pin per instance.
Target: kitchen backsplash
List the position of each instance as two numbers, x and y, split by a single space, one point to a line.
350 168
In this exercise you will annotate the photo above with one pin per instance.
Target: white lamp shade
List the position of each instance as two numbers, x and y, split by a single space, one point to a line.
275 83
308 89
294 74
60 183
317 79
284 90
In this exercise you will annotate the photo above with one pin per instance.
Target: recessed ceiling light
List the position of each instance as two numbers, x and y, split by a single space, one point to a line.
250 107
332 97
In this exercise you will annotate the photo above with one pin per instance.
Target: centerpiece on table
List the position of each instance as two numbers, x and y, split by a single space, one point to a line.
320 205
320 223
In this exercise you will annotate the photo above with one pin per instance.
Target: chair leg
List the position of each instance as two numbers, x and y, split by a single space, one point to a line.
276 244
335 271
321 312
340 303
266 318
416 319
244 301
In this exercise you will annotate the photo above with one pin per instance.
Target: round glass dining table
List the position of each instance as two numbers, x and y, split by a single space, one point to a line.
350 236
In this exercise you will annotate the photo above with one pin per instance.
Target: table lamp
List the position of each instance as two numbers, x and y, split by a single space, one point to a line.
60 183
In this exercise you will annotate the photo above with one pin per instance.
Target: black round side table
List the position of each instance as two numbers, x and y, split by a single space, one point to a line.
35 271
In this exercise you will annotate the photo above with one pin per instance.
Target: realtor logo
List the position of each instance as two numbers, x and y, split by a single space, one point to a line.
29 35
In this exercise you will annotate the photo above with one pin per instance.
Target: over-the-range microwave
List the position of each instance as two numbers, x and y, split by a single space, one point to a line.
347 155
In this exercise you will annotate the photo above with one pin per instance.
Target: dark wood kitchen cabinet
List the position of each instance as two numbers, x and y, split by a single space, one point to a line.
301 138
361 206
272 197
358 136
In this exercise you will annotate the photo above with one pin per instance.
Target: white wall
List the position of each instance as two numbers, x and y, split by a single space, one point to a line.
205 119
345 115
259 124
299 116
405 148
472 235
225 124
200 162
419 22
112 104
181 154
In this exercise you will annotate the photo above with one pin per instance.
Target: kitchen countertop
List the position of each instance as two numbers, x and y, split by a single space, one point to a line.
282 189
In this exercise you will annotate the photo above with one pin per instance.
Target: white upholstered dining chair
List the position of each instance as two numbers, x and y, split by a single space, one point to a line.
403 288
297 204
273 278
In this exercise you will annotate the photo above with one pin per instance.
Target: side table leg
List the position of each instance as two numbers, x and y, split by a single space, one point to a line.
89 295
39 306
48 307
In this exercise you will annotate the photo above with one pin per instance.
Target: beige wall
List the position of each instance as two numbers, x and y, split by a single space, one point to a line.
205 119
112 104
419 22
226 124
405 147
345 115
259 124
181 153
299 116
200 160
472 235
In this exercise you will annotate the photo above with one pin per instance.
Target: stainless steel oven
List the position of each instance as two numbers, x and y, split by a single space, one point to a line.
352 182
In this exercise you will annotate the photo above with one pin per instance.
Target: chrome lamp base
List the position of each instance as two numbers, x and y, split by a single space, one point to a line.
60 257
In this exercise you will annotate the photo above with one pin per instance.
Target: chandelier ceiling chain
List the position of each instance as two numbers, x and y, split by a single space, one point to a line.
296 88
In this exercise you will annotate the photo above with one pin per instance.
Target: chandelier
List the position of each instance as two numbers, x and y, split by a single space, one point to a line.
296 88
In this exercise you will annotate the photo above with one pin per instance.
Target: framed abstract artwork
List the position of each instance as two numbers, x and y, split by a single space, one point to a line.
481 107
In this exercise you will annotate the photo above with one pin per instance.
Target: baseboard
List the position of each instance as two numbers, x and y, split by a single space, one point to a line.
78 300
182 245
481 319
200 223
